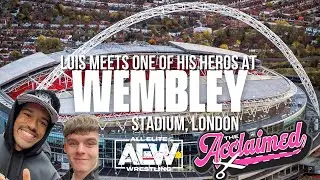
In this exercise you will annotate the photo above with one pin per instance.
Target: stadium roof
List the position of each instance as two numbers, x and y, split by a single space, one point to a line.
196 48
24 66
57 55
113 48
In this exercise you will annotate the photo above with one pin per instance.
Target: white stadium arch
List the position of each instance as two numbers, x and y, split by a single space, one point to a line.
200 7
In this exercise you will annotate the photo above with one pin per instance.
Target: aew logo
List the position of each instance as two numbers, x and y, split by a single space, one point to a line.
149 154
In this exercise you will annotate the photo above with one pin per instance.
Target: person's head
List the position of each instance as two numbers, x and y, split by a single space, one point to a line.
35 114
82 142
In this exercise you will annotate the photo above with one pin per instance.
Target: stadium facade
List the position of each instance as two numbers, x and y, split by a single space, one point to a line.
269 100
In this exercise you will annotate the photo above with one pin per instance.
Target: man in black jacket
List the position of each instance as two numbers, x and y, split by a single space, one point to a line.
81 135
31 119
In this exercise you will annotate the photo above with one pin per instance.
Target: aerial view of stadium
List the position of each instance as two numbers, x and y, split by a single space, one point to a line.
270 100
276 94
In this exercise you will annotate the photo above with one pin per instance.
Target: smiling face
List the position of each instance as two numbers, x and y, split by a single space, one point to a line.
83 151
30 126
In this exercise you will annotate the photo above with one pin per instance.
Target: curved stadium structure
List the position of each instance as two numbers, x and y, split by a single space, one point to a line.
269 100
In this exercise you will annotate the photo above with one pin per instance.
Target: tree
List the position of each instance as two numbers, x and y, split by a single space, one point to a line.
197 38
318 39
91 33
264 51
168 23
48 45
41 38
292 34
310 49
60 8
298 48
154 30
282 29
15 54
295 44
317 52
238 42
114 16
186 38
86 18
224 46
269 4
314 63
152 41
207 35
220 37
314 77
282 22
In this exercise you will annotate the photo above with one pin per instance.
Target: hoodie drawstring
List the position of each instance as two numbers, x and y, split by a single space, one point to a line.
20 167
8 165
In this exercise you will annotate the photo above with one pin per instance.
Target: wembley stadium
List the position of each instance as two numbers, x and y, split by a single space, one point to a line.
269 100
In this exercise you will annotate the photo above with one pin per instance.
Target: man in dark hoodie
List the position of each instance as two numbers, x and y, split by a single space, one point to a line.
31 119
